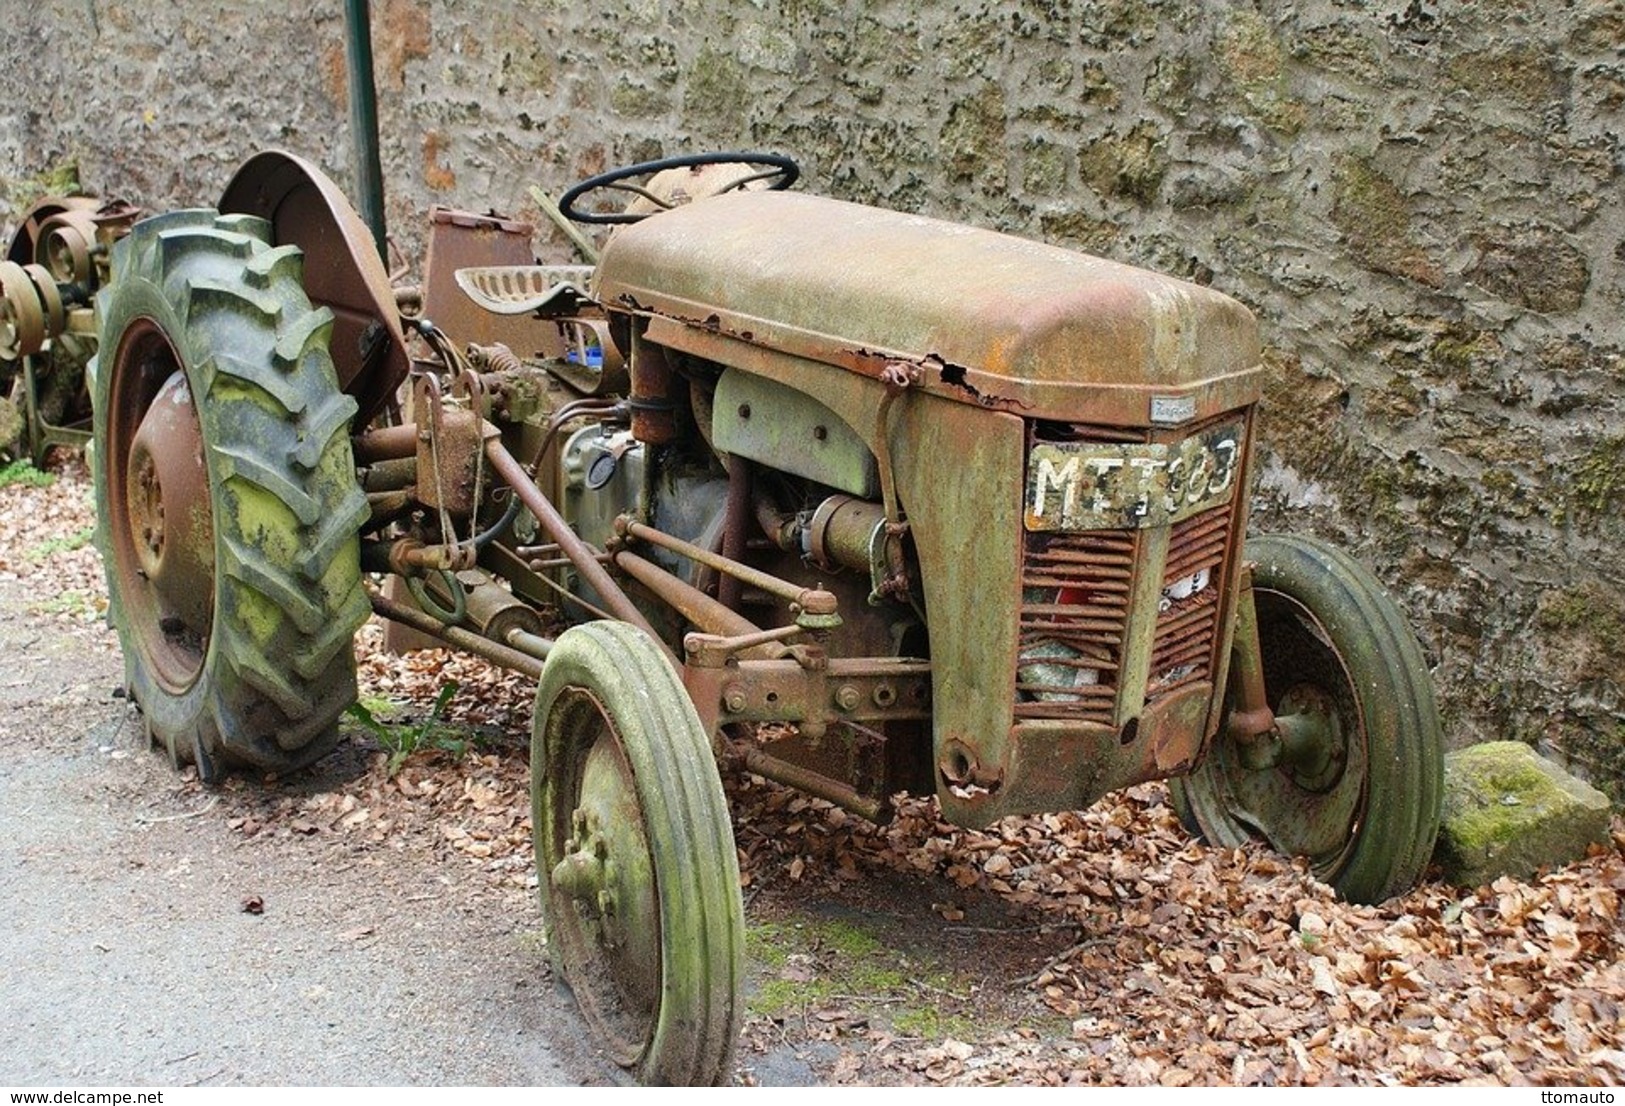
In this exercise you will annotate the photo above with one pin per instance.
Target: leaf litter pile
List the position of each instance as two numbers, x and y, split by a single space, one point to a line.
1102 946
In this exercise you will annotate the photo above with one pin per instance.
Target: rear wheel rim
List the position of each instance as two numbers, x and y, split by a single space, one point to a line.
160 518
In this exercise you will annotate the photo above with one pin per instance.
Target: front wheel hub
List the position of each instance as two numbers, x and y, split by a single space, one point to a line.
1313 749
608 873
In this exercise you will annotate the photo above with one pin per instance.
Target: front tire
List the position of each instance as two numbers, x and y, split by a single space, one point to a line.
228 511
635 857
1339 659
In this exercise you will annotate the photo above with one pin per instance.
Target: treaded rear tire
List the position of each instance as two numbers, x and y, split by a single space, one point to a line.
262 685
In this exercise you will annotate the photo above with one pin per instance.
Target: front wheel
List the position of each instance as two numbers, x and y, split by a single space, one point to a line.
1356 780
635 857
227 507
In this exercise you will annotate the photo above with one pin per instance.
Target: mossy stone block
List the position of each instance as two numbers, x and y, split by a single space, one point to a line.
1509 811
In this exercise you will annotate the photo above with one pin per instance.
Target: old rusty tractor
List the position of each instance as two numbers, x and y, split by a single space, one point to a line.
961 513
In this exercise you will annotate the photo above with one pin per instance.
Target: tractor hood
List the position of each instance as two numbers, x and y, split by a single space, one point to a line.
1003 321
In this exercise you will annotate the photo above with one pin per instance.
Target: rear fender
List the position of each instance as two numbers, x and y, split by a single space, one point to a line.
342 269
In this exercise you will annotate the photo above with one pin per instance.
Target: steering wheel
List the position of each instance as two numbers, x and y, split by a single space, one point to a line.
780 173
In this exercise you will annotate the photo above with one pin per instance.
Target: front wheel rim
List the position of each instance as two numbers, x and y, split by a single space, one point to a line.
605 908
1312 814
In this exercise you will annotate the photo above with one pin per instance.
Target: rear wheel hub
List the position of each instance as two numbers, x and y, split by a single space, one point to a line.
164 526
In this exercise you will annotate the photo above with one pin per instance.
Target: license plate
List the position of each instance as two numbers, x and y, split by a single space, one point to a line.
1098 486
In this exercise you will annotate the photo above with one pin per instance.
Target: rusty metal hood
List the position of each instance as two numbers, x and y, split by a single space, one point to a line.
842 283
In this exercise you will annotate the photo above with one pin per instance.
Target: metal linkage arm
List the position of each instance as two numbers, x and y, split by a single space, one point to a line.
583 557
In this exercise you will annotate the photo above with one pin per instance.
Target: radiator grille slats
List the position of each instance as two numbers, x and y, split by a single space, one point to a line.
1076 592
1186 626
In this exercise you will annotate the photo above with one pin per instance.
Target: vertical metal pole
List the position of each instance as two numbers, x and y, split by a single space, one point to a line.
364 120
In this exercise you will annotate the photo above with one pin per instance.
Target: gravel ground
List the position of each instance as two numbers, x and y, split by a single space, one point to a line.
129 954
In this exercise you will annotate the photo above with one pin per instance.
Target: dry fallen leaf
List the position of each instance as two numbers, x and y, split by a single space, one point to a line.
1321 977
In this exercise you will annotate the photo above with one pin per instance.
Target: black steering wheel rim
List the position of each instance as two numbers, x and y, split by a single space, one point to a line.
788 172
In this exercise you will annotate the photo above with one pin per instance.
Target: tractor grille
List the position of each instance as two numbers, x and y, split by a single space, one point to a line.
1188 615
1074 612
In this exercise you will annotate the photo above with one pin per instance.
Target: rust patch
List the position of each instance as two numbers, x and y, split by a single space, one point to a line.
341 272
400 33
436 173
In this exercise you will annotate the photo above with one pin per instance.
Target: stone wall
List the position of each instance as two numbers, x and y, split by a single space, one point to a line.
1421 200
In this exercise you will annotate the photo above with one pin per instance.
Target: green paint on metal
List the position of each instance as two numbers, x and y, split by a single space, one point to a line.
363 95
1139 638
624 784
967 532
1332 643
785 428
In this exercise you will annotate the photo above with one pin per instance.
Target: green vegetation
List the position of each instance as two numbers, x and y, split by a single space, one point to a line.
932 1024
1589 608
79 604
1598 485
401 740
59 179
52 546
22 473
1375 215
1130 166
827 962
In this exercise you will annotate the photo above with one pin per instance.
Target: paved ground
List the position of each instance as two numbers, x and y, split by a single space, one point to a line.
126 956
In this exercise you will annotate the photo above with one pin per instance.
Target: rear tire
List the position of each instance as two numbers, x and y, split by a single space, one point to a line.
228 513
